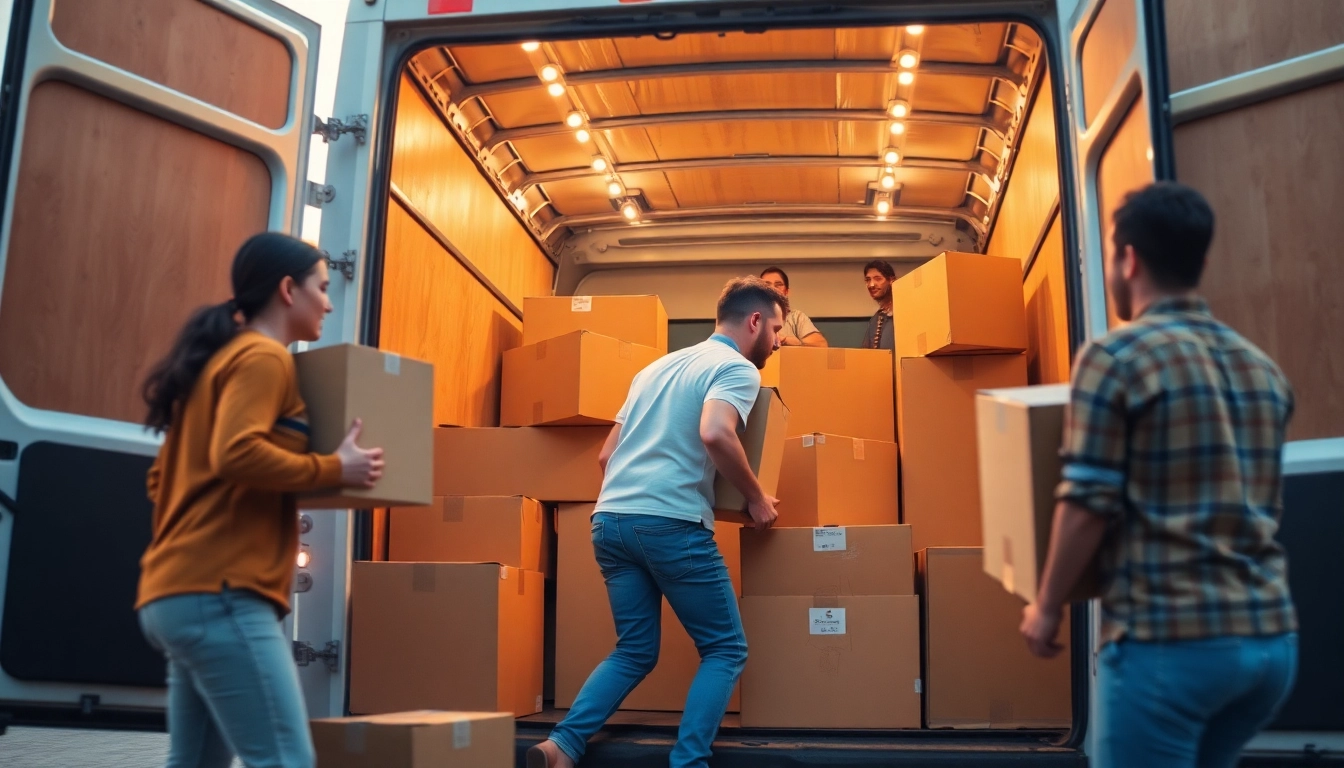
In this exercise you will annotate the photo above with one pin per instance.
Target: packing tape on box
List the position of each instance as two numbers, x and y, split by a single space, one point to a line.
624 351
356 738
963 368
1000 417
424 577
922 343
391 364
859 449
538 411
917 278
1007 573
825 600
541 350
522 583
453 507
581 304
835 359
462 734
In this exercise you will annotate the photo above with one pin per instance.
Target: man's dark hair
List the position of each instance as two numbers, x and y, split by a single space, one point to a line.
880 266
1170 226
776 271
744 295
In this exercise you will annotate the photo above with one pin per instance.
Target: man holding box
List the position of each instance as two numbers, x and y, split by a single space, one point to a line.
653 523
1172 475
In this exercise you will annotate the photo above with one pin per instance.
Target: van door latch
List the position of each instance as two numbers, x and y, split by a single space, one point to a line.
305 654
345 265
331 129
320 194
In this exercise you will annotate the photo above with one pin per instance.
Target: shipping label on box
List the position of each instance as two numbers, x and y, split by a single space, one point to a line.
763 440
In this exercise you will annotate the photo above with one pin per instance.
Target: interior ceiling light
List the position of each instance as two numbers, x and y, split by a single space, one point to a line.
892 156
907 59
899 108
531 46
614 188
630 210
915 29
558 89
888 181
883 205
574 119
897 128
519 199
583 135
550 73
600 164
905 78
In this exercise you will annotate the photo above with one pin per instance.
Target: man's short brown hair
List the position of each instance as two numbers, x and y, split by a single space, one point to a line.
744 295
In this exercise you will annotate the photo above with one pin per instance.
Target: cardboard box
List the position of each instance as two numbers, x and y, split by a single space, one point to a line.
940 479
960 303
849 560
636 319
416 740
834 390
448 636
543 463
575 379
763 440
394 396
837 662
1019 432
585 632
978 672
470 529
833 480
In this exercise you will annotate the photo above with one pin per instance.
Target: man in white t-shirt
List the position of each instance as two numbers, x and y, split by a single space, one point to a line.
799 330
654 521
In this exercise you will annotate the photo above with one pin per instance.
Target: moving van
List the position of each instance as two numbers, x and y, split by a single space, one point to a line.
483 152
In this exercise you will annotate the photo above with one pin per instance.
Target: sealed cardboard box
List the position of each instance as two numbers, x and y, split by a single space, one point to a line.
394 396
448 636
846 560
585 632
831 662
940 479
469 529
636 319
960 303
834 480
763 439
575 379
1019 433
416 740
978 672
543 463
836 391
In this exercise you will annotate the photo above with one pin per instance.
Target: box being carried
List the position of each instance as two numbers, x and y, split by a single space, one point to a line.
960 303
575 379
763 440
416 740
833 480
394 396
834 390
636 319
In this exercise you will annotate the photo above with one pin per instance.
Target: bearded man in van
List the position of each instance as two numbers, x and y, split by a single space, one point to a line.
1172 476
653 525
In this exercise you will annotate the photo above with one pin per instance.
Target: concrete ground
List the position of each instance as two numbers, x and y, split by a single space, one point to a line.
63 748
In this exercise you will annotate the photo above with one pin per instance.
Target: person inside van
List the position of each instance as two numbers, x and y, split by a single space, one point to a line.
216 578
799 330
653 525
1172 474
877 277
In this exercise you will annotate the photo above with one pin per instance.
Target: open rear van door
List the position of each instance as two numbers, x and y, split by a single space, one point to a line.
143 141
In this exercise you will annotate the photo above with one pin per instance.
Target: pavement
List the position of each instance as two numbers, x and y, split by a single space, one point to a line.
64 748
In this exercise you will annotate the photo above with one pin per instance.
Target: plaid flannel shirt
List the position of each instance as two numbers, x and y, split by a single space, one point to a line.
1175 434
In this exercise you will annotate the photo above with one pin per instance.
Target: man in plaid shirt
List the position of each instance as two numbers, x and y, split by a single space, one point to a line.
1173 479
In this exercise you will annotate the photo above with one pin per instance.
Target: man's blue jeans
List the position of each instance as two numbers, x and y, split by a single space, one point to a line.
1191 703
643 558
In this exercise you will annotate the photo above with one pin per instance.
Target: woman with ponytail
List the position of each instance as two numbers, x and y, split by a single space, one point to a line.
216 579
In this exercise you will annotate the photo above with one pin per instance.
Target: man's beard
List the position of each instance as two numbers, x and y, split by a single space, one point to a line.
885 296
760 352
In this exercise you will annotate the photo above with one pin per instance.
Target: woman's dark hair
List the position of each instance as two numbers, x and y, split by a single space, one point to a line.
258 269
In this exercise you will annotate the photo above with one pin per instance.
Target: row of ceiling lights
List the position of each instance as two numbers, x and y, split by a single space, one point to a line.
899 109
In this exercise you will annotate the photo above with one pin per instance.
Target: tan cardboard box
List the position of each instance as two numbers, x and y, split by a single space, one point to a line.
763 440
394 396
469 529
940 479
448 636
585 633
833 480
848 560
416 740
836 391
543 463
1019 434
960 303
978 672
831 662
636 319
575 379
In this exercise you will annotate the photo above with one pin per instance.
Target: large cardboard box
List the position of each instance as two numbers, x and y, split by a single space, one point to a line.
636 319
848 560
940 479
831 662
1019 432
416 740
834 480
394 396
585 632
469 529
763 439
836 391
978 672
543 463
579 378
449 636
960 303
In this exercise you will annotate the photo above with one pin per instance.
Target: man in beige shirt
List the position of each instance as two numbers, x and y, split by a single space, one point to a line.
799 331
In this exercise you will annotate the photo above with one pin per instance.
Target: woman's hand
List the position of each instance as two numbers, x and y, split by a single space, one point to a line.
360 467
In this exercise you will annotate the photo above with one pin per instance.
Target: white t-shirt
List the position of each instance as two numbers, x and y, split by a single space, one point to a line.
798 325
660 466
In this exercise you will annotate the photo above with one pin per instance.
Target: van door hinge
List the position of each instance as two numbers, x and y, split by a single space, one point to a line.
345 265
331 129
320 194
305 654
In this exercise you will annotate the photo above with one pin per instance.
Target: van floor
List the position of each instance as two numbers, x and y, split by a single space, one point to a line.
643 739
